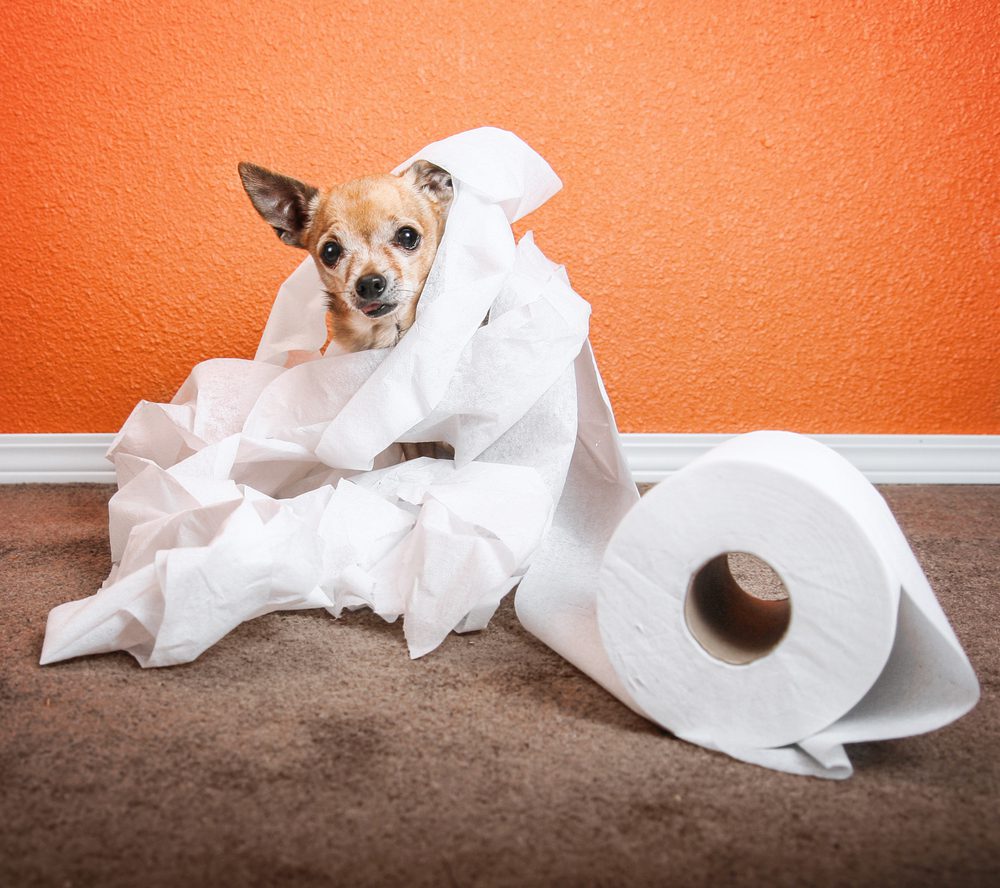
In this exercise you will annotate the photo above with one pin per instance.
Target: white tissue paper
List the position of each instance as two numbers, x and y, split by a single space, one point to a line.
867 653
260 488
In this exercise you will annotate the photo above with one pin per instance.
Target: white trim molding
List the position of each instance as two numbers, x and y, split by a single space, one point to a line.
55 458
884 459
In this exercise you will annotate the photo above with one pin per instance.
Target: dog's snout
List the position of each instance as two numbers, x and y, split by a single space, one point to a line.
370 286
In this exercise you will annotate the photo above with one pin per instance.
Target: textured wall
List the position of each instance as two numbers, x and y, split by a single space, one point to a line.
784 214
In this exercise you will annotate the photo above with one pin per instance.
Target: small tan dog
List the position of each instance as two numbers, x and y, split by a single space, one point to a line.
373 241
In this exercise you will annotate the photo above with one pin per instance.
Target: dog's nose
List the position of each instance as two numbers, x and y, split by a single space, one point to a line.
370 286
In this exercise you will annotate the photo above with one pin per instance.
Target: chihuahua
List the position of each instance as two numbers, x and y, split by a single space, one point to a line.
373 241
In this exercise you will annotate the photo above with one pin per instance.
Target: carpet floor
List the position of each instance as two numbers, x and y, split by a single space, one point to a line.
305 751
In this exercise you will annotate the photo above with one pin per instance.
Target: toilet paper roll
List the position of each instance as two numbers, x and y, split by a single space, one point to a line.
860 650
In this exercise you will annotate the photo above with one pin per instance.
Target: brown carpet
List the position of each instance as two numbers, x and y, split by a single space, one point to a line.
302 750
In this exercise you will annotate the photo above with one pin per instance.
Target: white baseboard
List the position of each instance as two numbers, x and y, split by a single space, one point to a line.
884 459
55 458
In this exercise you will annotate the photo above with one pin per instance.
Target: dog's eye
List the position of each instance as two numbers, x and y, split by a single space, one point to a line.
330 252
407 238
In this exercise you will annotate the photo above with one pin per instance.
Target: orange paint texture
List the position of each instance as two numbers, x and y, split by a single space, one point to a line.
784 214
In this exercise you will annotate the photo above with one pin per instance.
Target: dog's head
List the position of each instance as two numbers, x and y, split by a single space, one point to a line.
373 240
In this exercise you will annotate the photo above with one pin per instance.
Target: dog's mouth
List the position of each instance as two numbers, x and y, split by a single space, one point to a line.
377 309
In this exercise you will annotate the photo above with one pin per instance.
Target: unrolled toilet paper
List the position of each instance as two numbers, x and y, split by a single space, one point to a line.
859 650
264 487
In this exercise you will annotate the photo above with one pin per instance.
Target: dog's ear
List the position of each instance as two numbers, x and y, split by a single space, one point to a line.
430 179
286 204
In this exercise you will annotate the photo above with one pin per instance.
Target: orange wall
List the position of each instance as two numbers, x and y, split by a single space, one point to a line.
784 214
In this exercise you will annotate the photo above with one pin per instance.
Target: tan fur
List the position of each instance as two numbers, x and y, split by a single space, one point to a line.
362 221
364 216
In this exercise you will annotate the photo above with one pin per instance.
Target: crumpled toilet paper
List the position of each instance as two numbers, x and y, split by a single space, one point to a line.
261 488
